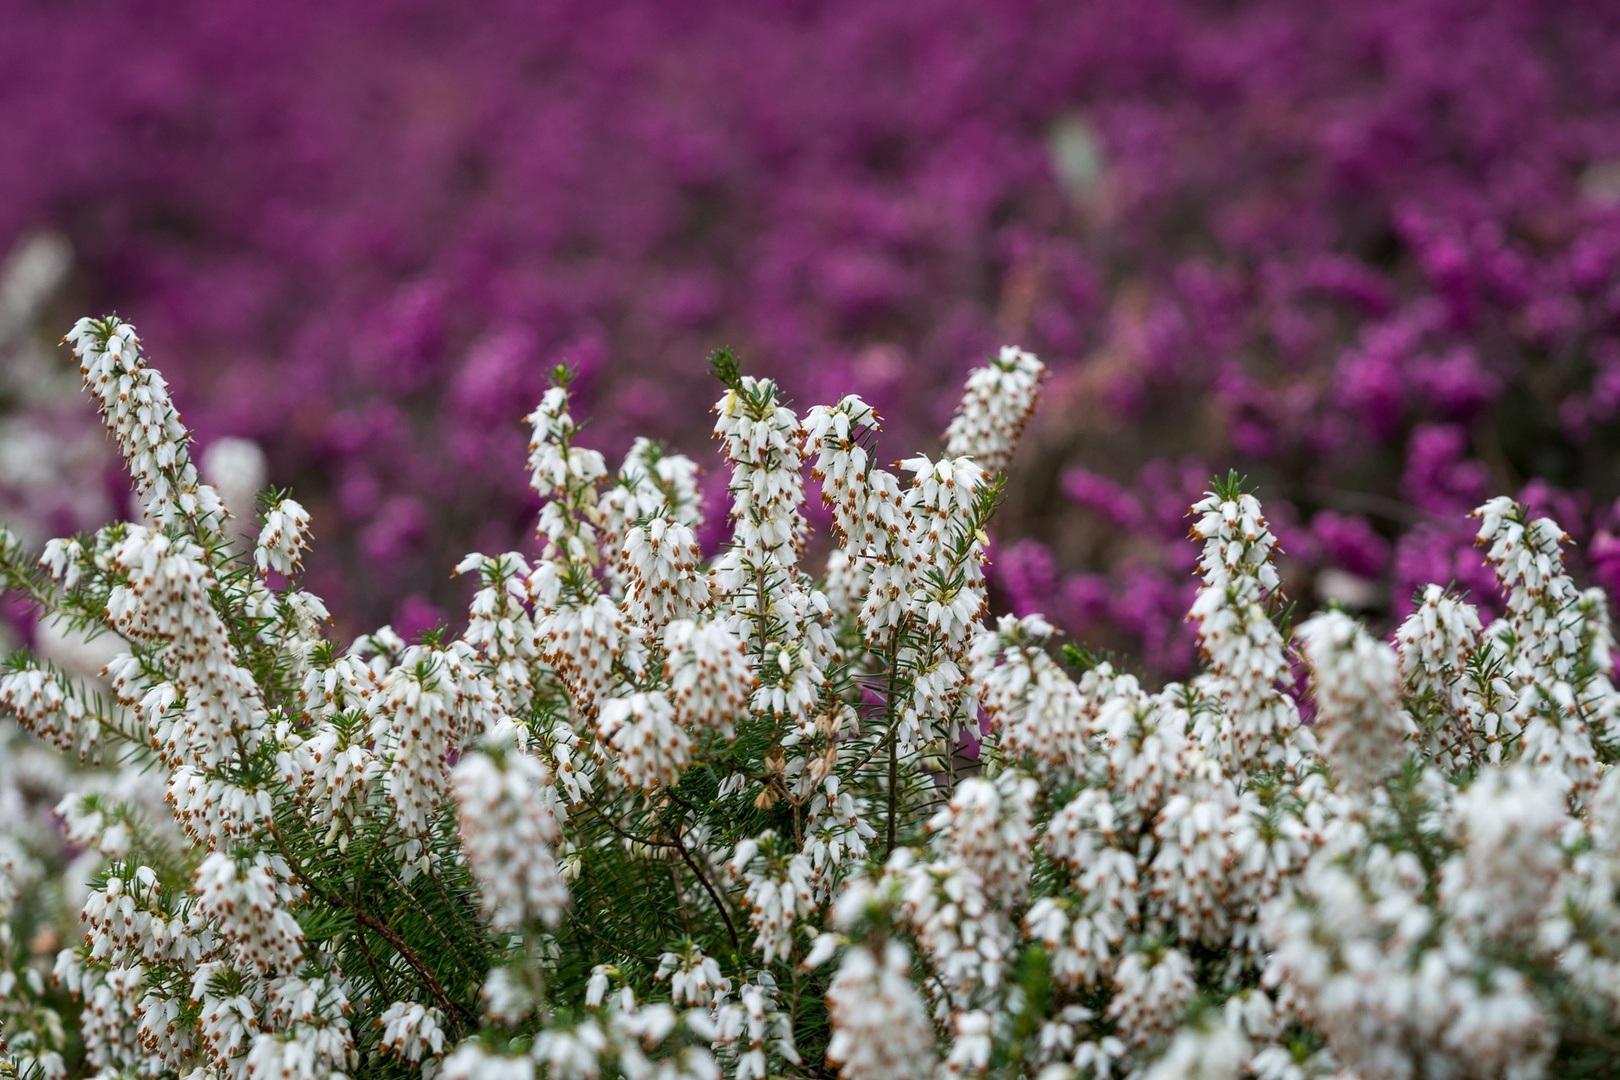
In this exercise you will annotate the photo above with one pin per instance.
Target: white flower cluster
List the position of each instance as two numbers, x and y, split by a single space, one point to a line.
134 402
778 890
283 539
1247 658
248 905
1554 645
651 818
509 826
999 401
412 1031
881 1027
1359 722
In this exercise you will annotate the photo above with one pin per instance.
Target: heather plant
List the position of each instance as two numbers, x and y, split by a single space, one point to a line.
1364 251
651 816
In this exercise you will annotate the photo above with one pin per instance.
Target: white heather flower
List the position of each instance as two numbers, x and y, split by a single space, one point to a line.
419 715
996 404
1245 650
283 539
412 1032
566 476
65 560
753 1028
507 997
85 825
1151 992
597 987
1212 1052
1088 837
308 1034
46 1065
1058 1040
110 1020
164 602
1496 1026
865 501
121 925
1435 645
228 1023
43 704
574 771
1448 920
1035 707
304 1001
168 1040
332 769
790 671
571 1053
16 872
248 903
1559 643
1274 831
345 684
694 979
987 828
1145 738
306 1052
472 1062
968 940
661 559
510 827
650 750
581 643
760 436
1393 987
880 1027
217 812
1080 947
777 891
650 483
1360 725
134 402
1512 822
756 582
638 1030
942 494
971 1044
709 675
500 627
1195 848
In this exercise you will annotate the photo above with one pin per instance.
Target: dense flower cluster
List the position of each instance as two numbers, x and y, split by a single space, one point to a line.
649 817
1366 251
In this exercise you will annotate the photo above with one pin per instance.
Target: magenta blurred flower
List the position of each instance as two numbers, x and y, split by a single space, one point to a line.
1367 253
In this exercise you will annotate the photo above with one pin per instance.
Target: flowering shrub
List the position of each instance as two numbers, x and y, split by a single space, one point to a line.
648 817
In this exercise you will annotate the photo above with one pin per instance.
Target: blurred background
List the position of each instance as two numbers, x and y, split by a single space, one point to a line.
1365 251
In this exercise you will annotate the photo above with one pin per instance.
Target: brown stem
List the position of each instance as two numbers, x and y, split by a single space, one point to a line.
894 785
384 931
894 739
686 857
388 934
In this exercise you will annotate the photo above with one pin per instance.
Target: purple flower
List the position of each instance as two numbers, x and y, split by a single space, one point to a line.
1366 250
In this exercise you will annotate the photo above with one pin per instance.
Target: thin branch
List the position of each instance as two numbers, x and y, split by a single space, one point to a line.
388 934
384 931
686 857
